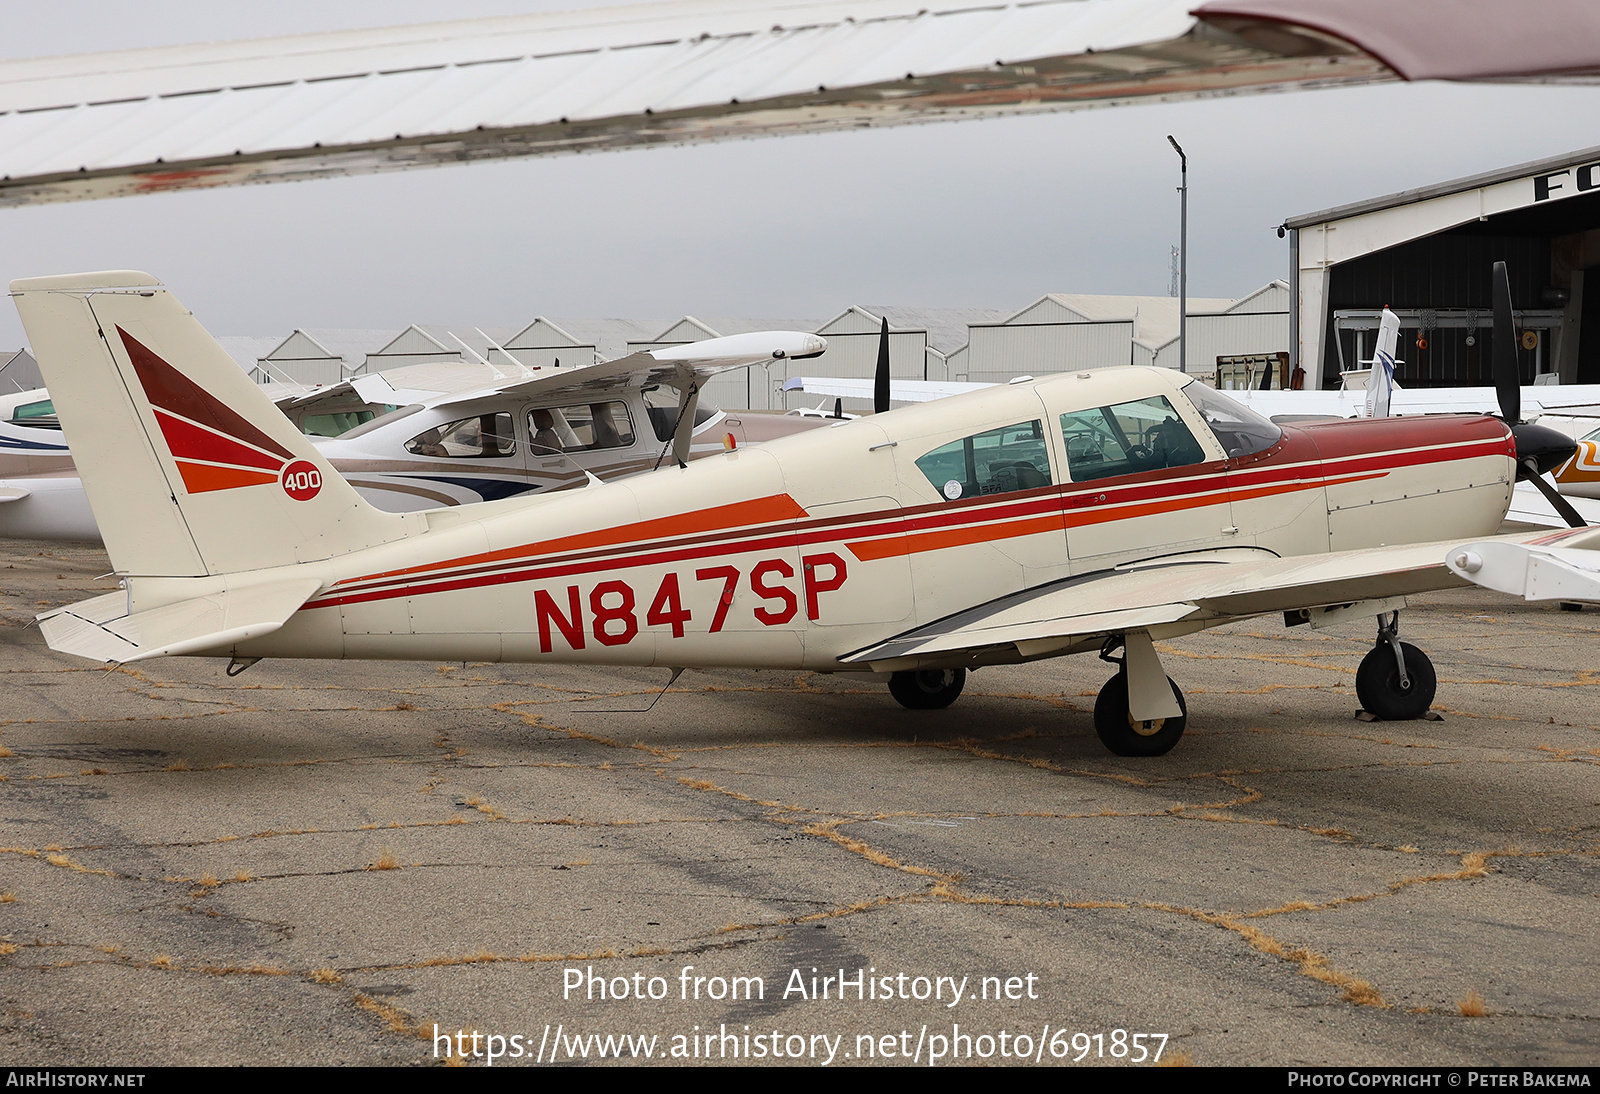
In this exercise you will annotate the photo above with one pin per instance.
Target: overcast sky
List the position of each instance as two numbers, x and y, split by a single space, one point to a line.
980 214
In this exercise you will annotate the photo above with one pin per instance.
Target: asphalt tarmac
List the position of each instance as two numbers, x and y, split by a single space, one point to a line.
350 862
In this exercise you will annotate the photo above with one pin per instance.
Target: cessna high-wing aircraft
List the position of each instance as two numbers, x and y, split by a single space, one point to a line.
1101 510
458 436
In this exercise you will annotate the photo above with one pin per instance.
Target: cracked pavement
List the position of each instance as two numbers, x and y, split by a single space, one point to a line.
317 862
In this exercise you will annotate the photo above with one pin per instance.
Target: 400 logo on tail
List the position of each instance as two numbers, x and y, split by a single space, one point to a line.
214 447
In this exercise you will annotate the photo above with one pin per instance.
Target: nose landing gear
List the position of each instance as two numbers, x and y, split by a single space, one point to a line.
1395 681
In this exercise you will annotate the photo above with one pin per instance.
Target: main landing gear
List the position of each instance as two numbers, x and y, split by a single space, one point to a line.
1395 681
1138 686
927 689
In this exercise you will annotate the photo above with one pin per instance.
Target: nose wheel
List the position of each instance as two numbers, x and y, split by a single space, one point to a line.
927 689
1395 681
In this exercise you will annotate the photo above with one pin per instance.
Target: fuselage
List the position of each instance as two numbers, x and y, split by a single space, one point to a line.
798 552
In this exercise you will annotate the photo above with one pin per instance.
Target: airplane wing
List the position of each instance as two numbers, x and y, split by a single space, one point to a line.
359 101
1536 400
901 391
1563 566
673 365
1176 595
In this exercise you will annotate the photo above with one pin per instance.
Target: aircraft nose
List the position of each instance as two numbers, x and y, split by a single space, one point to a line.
1546 447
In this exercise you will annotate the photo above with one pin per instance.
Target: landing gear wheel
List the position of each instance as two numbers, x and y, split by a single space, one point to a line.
1125 737
1378 683
927 689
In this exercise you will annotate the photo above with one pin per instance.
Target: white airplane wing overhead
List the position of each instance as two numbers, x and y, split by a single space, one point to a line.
1183 594
673 366
353 102
900 391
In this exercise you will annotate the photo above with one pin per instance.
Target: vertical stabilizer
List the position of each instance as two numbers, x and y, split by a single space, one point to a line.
1380 382
189 468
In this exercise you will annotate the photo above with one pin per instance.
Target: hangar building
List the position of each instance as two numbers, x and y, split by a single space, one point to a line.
1428 254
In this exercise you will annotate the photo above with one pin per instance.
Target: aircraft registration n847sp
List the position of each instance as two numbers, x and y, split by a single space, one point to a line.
1101 510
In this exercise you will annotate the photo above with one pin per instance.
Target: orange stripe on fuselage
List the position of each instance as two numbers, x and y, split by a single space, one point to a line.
871 550
201 477
740 514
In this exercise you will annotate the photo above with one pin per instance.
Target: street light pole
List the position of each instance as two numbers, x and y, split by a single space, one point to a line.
1183 259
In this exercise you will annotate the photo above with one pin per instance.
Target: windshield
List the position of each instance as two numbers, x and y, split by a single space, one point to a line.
1240 430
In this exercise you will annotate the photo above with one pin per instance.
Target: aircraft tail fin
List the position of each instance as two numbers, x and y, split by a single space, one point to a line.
1380 383
189 468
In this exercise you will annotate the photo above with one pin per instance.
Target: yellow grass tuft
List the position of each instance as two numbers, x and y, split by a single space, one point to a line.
241 875
1176 1057
161 961
7 948
1362 994
325 976
179 765
8 897
1472 1005
209 880
405 706
4 751
386 861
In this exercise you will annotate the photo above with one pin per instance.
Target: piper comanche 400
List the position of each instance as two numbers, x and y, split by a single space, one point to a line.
1103 510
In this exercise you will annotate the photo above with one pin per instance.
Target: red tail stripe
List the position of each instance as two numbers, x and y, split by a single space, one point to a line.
170 389
189 441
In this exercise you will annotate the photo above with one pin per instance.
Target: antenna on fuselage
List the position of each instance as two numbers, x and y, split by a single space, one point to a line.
880 379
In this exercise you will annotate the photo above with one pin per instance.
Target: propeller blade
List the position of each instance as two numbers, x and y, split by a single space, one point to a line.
1507 373
1557 502
880 383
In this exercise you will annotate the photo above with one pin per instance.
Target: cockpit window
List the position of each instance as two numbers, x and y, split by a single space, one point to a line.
580 428
1124 439
484 437
1240 430
997 461
662 404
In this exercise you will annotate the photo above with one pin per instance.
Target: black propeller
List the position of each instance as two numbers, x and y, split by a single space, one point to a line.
1539 448
880 380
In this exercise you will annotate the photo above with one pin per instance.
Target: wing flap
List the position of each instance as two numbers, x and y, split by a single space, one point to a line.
102 629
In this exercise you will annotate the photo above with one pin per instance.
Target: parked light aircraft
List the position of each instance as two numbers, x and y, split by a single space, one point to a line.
451 434
1102 510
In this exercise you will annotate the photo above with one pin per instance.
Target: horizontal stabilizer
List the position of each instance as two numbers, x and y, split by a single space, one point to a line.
13 493
103 630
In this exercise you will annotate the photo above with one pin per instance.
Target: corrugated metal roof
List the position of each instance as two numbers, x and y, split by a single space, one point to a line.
1444 189
140 121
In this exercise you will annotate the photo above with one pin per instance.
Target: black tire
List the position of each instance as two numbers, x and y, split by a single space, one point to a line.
927 689
1119 733
1378 683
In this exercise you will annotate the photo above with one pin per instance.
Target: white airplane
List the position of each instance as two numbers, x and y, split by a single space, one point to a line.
450 435
1095 511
